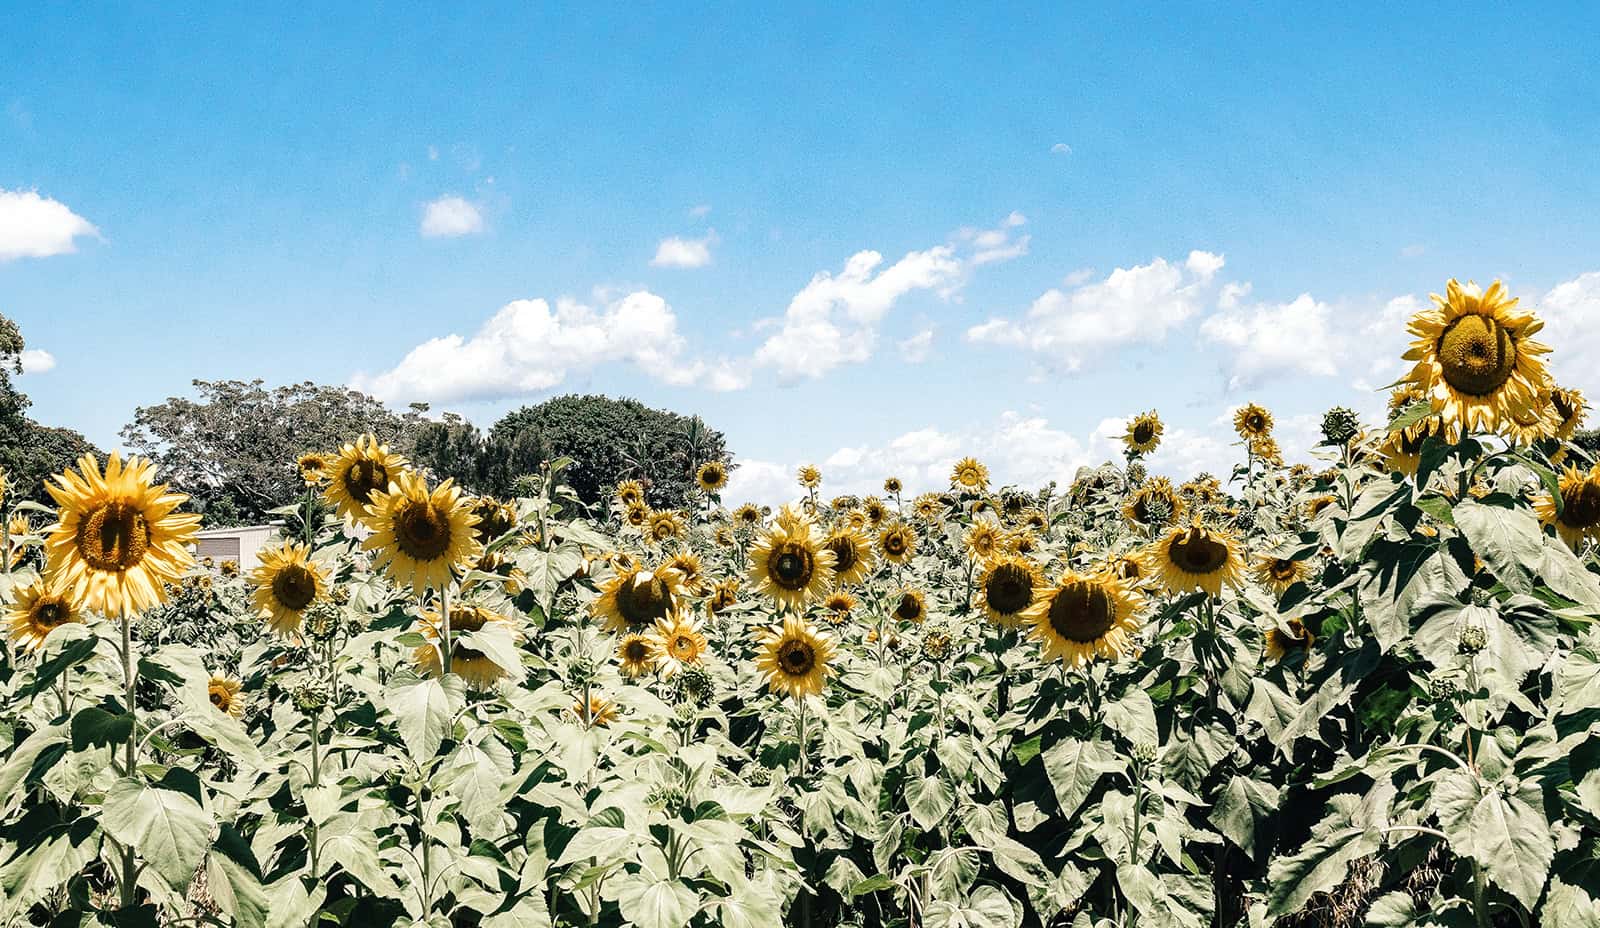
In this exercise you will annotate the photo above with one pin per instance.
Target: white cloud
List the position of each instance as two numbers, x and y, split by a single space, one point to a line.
1061 148
1066 328
32 226
685 252
451 217
997 244
1295 337
1233 293
1571 314
37 361
917 348
528 346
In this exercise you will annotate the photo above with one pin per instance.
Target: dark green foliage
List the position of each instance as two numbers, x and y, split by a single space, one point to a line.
29 452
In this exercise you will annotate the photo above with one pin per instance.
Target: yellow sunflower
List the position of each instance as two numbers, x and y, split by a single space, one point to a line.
875 510
630 493
1144 432
911 607
1252 422
712 476
927 506
118 541
1154 504
1280 641
473 666
690 571
724 596
287 582
495 518
420 537
898 543
893 486
41 607
1317 505
1022 541
1579 517
1006 590
809 476
1265 449
984 540
1476 360
665 525
1402 449
1280 573
1085 616
224 693
747 515
678 642
794 658
969 474
1196 557
852 556
837 607
636 655
635 599
790 563
1569 408
636 515
1128 567
361 470
601 712
314 468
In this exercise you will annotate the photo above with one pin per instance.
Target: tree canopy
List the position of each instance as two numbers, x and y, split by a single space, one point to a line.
29 452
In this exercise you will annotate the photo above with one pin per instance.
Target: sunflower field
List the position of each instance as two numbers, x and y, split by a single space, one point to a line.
1365 693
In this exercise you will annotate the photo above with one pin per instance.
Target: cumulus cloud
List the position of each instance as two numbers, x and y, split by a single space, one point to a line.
917 348
685 252
1570 312
32 226
1067 327
451 217
37 361
1297 337
529 346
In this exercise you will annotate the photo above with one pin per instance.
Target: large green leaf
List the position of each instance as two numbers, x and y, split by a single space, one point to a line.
929 798
988 907
1508 540
423 709
168 828
1243 810
1318 866
1168 900
1502 827
1134 717
233 880
1074 768
652 903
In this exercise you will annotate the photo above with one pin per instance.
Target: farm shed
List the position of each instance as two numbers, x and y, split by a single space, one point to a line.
240 543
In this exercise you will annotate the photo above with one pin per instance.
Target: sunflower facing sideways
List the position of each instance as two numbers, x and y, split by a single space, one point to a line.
665 525
1195 557
1006 589
1579 515
911 607
118 542
634 599
287 582
1569 408
1252 422
852 556
1085 616
794 658
790 563
1155 504
837 607
678 642
636 655
361 469
313 467
1144 433
473 666
224 694
1281 641
40 608
1476 360
630 493
712 476
420 537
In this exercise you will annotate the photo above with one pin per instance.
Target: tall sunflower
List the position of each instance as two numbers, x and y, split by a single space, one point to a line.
712 476
898 543
892 486
1579 514
314 468
287 582
875 510
747 515
40 608
809 476
630 493
795 657
473 666
360 470
665 525
1196 557
224 693
421 537
724 596
927 506
790 563
634 599
118 541
495 518
852 555
678 642
969 474
1085 616
1476 360
1144 432
1252 422
636 655
1006 590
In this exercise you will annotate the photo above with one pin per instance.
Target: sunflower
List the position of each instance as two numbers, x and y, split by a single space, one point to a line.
118 541
1085 616
1196 557
984 540
898 542
911 607
1265 448
790 562
287 583
678 642
360 471
794 657
665 525
892 486
747 515
854 520
1280 573
1022 541
1317 505
927 506
1006 589
474 667
1569 408
876 511
601 712
630 493
809 476
724 596
420 537
712 476
636 515
1252 421
635 599
1128 567
689 570
314 468
495 518
1144 433
1526 426
1035 520
41 607
636 655
837 607
1279 641
1476 360
1154 504
970 475
852 556
224 693
1579 516
723 536
1402 449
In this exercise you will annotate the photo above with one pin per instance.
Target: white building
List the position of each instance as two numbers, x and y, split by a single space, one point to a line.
240 543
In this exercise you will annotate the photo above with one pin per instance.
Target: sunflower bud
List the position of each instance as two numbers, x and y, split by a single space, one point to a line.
936 646
1339 425
1443 689
310 699
1137 473
1472 639
696 683
1144 753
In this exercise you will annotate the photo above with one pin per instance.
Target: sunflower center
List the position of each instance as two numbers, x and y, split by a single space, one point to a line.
1564 407
636 652
683 646
844 553
1009 589
909 608
1477 355
894 544
49 614
1196 552
295 587
422 531
1581 508
1082 611
1282 569
791 566
796 657
644 601
1143 432
219 697
1128 568
363 477
114 537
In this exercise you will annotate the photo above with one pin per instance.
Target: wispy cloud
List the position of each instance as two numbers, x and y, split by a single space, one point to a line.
451 217
685 252
32 226
37 361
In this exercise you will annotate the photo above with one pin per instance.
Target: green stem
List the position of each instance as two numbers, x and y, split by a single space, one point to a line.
130 872
802 733
444 611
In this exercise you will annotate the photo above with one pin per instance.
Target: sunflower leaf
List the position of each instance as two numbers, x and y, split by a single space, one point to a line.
168 828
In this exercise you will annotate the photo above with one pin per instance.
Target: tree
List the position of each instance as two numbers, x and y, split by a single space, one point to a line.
611 440
233 449
29 452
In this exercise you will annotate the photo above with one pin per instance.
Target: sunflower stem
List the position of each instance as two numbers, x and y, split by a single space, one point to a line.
130 871
802 734
444 611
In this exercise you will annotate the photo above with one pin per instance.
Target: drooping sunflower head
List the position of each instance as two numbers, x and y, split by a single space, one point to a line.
794 657
911 606
1578 516
287 583
790 562
893 486
1022 541
636 655
1006 590
473 666
362 469
1476 360
495 518
225 695
1144 432
314 468
40 608
1252 421
1282 640
1279 573
1570 408
724 596
1155 504
665 525
898 543
969 474
1195 557
678 642
852 556
1317 505
118 541
690 571
809 476
600 712
630 493
634 599
712 476
421 537
1085 616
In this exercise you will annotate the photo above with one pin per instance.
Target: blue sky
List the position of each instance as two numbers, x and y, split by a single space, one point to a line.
352 195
